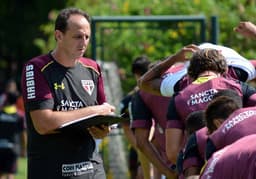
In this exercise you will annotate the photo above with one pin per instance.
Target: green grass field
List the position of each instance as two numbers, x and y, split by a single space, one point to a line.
22 169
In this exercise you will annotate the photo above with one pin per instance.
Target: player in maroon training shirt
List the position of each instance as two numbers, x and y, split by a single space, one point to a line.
236 161
194 152
207 68
146 107
60 87
189 159
162 81
228 122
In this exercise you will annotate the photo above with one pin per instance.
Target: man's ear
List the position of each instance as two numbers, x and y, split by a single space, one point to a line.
58 35
217 122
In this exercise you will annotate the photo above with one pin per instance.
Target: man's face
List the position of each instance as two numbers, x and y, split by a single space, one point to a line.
75 40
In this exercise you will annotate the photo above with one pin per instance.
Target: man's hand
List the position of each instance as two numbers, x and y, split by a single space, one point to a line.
186 52
247 29
106 109
99 132
171 174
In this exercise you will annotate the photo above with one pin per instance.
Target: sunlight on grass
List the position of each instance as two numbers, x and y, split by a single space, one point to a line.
22 169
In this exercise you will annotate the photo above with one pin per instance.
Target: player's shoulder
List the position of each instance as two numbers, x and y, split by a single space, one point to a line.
90 63
40 61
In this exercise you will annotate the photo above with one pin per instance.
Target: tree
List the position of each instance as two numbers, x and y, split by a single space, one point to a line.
20 22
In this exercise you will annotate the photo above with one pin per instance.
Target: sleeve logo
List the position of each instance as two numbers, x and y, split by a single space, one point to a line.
30 82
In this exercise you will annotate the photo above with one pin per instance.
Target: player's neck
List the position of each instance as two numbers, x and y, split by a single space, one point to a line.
209 74
62 58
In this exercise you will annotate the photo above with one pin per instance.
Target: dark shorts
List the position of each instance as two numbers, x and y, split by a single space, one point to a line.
8 161
48 169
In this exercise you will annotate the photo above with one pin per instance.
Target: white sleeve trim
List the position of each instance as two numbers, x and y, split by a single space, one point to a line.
170 80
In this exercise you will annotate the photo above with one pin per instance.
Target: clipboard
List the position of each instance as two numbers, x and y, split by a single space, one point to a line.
92 120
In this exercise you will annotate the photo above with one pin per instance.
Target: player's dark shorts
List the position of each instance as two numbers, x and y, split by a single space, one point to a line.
8 160
48 169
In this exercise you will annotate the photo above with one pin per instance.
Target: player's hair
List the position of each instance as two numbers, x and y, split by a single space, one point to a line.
206 60
194 121
232 94
219 108
10 98
140 65
61 22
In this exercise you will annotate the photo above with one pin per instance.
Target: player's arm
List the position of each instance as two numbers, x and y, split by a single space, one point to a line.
152 79
193 177
129 134
47 121
247 29
174 138
124 109
99 132
142 124
174 133
40 102
151 153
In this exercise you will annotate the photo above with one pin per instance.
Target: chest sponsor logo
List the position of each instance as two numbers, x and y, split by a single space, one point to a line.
237 119
69 105
201 97
76 169
212 163
88 85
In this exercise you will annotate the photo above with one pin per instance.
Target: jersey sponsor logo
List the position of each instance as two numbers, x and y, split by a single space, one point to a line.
30 82
68 105
215 158
76 169
201 97
88 85
59 86
237 119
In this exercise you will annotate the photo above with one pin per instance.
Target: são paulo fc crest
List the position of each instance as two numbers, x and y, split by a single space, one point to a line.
88 85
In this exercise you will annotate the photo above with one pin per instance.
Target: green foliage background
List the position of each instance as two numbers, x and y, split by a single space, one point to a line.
27 28
123 42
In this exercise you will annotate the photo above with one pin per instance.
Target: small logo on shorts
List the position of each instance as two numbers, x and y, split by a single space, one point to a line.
76 169
88 85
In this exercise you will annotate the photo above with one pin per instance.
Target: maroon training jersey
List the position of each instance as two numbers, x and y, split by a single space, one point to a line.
146 107
239 124
46 84
233 73
236 161
196 97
